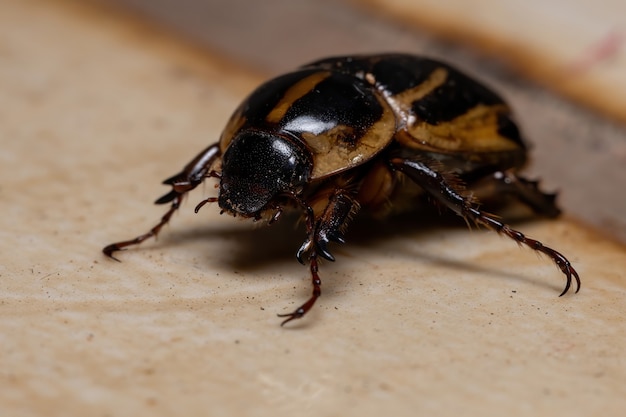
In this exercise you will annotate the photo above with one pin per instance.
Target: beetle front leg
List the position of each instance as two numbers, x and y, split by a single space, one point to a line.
114 247
317 291
189 178
450 195
330 226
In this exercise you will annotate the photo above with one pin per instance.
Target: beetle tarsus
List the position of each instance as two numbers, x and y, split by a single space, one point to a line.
561 261
321 245
203 202
111 249
114 247
164 199
317 291
304 248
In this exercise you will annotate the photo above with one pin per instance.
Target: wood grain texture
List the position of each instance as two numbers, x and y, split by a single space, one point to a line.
416 317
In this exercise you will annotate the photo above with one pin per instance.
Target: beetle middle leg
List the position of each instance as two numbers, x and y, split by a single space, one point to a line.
329 226
189 178
450 195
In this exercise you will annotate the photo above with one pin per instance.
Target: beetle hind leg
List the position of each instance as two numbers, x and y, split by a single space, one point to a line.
524 190
451 196
189 178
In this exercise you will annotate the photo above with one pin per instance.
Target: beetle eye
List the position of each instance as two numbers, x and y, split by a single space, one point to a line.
256 167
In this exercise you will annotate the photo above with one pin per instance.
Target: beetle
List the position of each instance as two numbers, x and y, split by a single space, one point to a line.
343 134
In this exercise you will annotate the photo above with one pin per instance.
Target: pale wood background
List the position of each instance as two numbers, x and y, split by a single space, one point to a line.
417 317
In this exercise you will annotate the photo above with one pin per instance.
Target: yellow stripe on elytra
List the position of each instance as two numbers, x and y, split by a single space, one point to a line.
333 155
403 101
296 91
474 131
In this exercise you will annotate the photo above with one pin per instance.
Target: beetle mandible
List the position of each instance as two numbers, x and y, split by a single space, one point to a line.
336 136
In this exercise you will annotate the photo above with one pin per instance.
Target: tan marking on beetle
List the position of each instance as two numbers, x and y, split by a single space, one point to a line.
235 123
333 153
298 90
376 189
475 131
402 102
340 135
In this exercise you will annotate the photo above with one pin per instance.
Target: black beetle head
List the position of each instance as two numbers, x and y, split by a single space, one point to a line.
257 167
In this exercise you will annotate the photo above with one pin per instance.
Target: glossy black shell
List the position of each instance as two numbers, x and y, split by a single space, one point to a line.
346 110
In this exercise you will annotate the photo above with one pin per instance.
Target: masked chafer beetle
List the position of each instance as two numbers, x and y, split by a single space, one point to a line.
338 135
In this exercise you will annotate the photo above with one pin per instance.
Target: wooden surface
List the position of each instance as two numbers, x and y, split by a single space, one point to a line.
417 317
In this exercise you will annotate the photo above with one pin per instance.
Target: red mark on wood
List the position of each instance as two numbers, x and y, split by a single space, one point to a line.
602 51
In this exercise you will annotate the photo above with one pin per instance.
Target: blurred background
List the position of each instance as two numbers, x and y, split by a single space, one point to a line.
561 64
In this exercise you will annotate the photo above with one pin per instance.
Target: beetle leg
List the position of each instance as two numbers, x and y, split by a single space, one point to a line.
330 226
189 178
449 195
315 279
114 247
317 291
203 202
528 192
192 174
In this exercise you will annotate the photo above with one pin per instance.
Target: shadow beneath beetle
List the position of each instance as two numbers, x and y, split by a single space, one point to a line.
260 247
